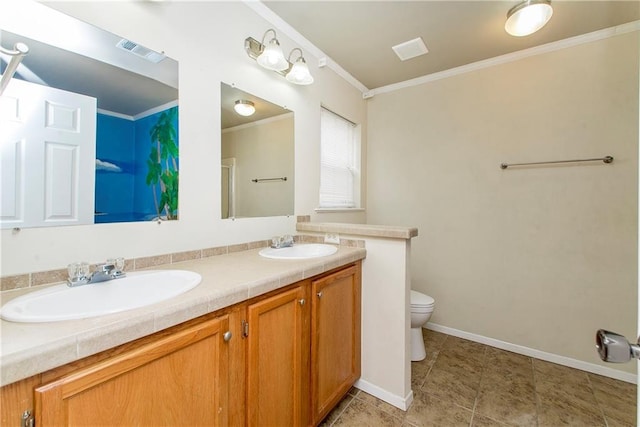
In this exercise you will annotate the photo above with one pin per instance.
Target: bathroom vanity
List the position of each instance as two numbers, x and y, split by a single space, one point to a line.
278 344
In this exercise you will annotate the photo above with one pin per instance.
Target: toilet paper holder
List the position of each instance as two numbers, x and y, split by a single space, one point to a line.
615 348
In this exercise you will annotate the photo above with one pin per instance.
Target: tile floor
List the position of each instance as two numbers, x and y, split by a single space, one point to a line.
463 383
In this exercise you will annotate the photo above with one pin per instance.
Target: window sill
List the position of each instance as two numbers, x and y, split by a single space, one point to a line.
329 210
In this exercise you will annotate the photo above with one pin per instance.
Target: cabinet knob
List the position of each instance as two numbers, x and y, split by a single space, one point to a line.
319 294
301 301
227 336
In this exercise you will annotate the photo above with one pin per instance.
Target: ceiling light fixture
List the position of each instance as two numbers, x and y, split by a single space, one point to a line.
528 17
271 57
244 107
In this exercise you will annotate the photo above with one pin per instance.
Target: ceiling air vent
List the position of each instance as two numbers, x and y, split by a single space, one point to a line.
410 49
140 51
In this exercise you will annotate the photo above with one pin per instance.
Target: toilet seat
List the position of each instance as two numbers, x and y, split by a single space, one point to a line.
420 300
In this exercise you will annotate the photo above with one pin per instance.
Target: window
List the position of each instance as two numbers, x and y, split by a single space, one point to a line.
339 162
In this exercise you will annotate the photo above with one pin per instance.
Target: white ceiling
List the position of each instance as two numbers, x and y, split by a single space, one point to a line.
359 35
119 89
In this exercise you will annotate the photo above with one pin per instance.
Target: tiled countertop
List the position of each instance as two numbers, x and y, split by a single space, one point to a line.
31 348
386 231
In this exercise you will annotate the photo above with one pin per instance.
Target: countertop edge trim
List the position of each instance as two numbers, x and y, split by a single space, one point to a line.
369 230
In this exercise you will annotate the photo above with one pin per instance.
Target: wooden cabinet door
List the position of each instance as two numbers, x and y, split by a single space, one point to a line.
180 379
335 338
278 360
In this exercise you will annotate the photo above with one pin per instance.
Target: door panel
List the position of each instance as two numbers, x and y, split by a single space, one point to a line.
335 342
180 379
276 359
61 182
12 178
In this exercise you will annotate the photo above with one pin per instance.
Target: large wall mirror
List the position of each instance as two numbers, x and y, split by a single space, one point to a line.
257 156
92 112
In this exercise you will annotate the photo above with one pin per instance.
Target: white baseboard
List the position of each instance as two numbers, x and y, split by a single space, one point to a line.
542 355
382 394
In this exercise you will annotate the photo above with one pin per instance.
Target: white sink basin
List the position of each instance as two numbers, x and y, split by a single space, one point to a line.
311 250
62 302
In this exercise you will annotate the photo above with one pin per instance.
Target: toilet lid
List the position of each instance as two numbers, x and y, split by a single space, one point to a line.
419 299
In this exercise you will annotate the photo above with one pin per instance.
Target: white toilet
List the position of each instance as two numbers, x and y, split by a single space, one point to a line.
421 309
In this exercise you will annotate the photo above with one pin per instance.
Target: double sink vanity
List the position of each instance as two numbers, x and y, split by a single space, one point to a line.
260 340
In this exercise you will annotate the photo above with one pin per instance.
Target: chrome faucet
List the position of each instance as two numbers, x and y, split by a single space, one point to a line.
79 272
282 241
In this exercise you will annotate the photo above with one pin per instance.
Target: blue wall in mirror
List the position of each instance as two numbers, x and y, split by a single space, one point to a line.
123 147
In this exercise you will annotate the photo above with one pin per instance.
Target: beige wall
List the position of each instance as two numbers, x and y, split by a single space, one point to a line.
207 40
539 257
262 149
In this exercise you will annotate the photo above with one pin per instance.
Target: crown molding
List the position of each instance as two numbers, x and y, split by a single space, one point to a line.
258 122
510 57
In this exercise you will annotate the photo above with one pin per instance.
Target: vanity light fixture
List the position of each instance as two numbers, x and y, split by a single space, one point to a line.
299 72
244 107
272 57
528 17
268 56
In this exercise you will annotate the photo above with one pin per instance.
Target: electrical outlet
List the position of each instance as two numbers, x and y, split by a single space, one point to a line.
332 238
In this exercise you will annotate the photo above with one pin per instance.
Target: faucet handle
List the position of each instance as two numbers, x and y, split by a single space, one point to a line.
85 269
287 239
72 270
78 273
78 270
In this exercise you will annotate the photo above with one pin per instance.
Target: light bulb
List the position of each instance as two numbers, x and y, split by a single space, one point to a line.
299 73
272 57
